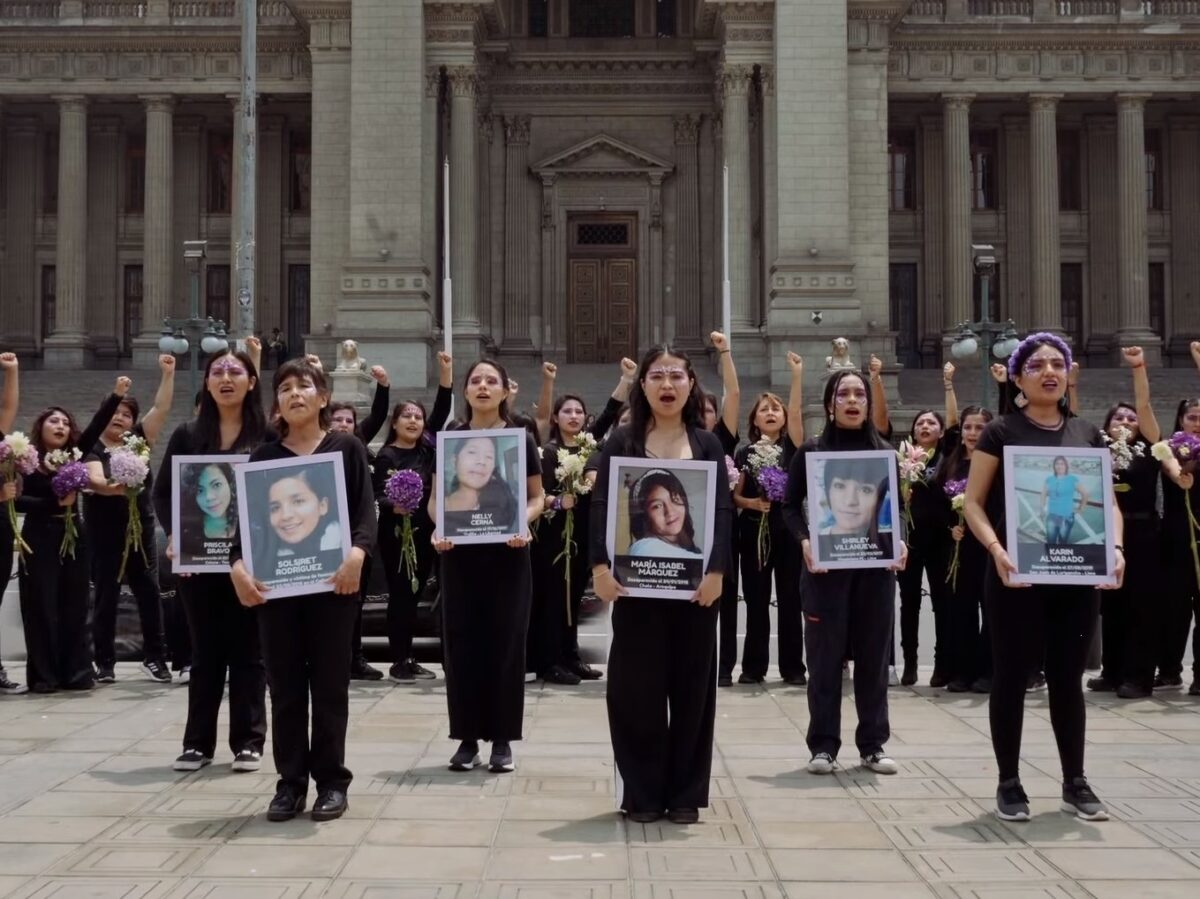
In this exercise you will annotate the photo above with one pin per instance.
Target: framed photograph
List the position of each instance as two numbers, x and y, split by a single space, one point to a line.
294 521
204 512
481 485
854 509
1058 514
661 516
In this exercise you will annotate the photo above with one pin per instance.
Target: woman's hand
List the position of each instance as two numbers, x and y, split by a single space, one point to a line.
249 591
759 504
1134 356
440 543
958 532
166 364
948 372
68 500
999 372
122 386
8 492
549 371
566 501
606 585
795 363
8 361
709 590
875 367
445 363
1005 567
1118 572
809 563
1184 480
719 341
346 579
899 566
379 373
519 541
628 369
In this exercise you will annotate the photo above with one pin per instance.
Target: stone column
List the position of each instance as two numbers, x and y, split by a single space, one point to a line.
464 183
1044 236
160 249
19 308
495 234
187 200
735 88
68 346
103 315
485 129
934 244
655 329
1017 196
516 232
1100 133
956 193
687 231
268 262
1133 313
1185 230
770 177
431 175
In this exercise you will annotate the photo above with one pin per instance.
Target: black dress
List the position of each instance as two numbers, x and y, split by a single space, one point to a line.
727 607
486 594
970 654
930 547
1181 603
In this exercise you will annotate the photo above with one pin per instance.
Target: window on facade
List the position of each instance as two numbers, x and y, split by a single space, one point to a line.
603 18
985 180
1070 283
1157 288
135 173
300 172
132 296
1070 172
50 175
903 302
220 172
49 290
216 292
539 18
995 308
902 169
1154 170
665 12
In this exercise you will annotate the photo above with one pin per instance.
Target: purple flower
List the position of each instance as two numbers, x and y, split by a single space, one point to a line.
731 472
955 488
71 478
1033 340
773 482
4 450
28 463
128 468
404 490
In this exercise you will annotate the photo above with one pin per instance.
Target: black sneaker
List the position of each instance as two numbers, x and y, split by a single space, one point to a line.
1168 680
938 679
502 758
401 673
10 687
247 760
583 669
360 669
724 680
958 686
909 677
1011 802
982 685
1079 800
420 673
156 670
1036 682
467 756
330 804
557 674
683 815
1101 685
287 804
796 680
191 760
1133 691
745 678
105 674
1194 689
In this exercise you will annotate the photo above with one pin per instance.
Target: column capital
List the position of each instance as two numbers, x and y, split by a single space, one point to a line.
433 82
464 81
687 128
487 126
1132 100
158 102
74 102
735 80
957 101
1044 101
766 77
516 129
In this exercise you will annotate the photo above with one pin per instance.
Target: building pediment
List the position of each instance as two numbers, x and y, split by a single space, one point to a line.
602 155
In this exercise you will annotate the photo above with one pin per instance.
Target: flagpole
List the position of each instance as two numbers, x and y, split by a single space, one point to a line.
725 297
447 283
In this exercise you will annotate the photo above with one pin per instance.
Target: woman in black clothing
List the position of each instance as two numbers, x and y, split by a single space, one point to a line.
107 514
8 490
773 423
306 639
409 447
1027 620
486 594
224 635
844 608
54 588
663 651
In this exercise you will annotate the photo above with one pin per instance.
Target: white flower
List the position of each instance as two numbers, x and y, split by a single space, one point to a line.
18 443
1161 451
959 502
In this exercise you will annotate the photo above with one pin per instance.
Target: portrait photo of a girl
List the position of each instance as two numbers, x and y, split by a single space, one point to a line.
660 519
854 515
478 475
206 512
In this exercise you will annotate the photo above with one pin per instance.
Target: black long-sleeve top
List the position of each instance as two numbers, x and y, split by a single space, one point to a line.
706 447
421 458
360 501
377 416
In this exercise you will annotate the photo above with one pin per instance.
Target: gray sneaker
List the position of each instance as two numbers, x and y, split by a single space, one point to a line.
1079 800
822 763
1011 802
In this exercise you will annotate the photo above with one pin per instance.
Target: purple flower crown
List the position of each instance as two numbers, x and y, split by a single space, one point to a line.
1025 347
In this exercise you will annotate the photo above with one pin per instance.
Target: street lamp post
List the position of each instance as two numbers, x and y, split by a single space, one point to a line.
193 334
978 336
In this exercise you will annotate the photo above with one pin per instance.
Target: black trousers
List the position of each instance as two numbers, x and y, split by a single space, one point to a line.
6 542
54 610
224 639
727 610
485 616
356 650
781 562
306 646
179 640
560 614
402 598
929 550
1127 616
848 610
970 640
662 701
1029 623
539 656
141 573
1180 605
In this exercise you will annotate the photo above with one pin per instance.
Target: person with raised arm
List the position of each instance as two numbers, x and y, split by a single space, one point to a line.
9 400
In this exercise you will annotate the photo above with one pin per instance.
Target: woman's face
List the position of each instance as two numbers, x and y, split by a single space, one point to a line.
486 389
228 381
769 417
927 430
121 422
852 504
213 494
1043 376
475 463
295 509
409 423
667 385
850 402
1061 467
625 418
1191 420
570 418
711 415
1125 418
343 420
665 512
56 430
300 401
972 427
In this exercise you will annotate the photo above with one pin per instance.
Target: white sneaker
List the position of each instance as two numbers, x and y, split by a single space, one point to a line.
530 677
822 763
183 675
879 763
893 677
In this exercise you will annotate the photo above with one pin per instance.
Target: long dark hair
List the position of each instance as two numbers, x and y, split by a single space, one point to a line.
641 417
947 469
912 431
301 368
505 414
1025 349
206 429
191 515
863 471
639 516
555 436
393 434
495 494
1137 436
72 434
752 429
832 437
1184 405
317 478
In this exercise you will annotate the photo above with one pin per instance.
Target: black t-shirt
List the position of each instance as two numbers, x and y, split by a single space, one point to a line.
1014 429
1140 501
750 488
422 459
113 511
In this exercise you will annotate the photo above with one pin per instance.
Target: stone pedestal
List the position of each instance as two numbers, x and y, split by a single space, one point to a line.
353 386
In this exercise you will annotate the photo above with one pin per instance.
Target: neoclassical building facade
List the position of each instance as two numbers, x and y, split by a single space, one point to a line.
580 148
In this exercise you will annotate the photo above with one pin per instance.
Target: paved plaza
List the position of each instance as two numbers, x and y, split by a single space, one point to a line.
91 808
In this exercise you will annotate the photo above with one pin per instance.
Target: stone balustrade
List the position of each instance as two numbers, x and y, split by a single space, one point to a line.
151 12
1050 10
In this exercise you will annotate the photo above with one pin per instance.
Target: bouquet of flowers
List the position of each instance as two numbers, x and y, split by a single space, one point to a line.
17 456
732 472
913 466
765 463
1184 448
571 482
129 466
957 492
404 491
70 476
1123 453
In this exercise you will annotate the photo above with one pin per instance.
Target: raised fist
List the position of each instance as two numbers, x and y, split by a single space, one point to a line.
122 386
719 341
166 362
379 373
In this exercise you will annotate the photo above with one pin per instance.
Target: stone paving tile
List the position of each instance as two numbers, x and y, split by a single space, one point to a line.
1138 864
693 890
150 887
1124 889
847 865
265 888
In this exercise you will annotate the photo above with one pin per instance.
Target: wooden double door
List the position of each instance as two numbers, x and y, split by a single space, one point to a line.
602 284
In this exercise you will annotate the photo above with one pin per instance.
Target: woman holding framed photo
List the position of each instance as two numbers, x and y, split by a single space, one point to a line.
1024 620
306 639
663 650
